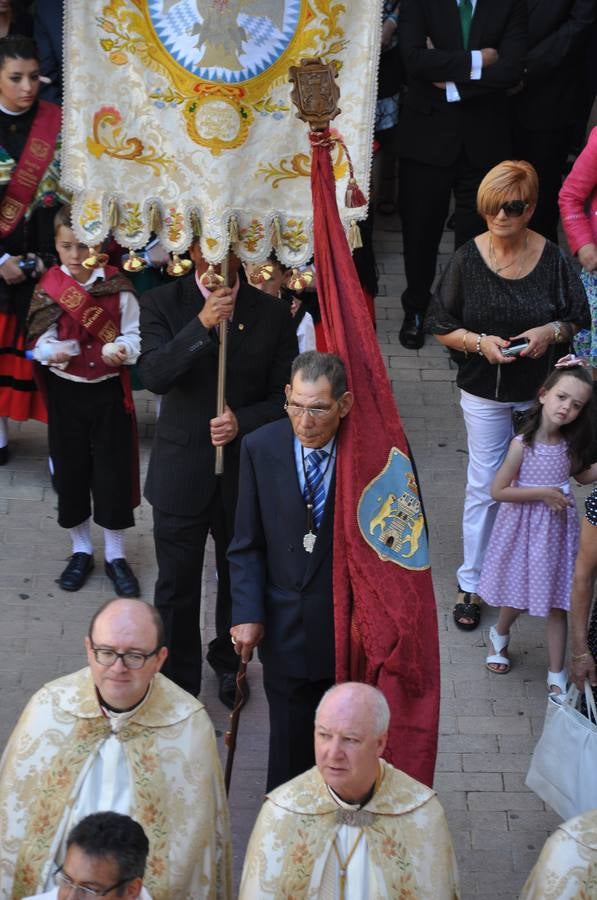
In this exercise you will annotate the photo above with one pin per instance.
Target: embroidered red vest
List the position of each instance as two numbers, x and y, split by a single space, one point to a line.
89 363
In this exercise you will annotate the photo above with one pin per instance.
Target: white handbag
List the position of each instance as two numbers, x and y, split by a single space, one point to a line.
563 770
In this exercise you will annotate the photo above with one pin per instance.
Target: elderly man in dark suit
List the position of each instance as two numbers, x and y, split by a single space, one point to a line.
460 58
547 102
281 557
179 359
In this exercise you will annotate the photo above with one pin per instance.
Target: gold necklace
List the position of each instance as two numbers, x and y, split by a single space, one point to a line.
493 258
346 862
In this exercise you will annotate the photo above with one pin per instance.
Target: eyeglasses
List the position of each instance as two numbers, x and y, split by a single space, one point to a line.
513 209
297 412
63 880
132 659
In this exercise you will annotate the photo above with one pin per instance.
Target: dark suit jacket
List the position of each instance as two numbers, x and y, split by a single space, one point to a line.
179 359
49 16
433 131
558 32
274 581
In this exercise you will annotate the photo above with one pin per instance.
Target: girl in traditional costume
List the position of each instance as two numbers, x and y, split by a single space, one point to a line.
29 195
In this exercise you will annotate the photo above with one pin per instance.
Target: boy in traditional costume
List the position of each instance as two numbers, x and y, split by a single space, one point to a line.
91 417
29 195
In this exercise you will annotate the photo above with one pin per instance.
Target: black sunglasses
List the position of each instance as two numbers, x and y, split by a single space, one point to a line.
513 209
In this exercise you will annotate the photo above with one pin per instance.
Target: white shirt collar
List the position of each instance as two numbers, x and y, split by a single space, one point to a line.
93 276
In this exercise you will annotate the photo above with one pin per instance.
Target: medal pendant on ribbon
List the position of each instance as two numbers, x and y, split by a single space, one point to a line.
309 541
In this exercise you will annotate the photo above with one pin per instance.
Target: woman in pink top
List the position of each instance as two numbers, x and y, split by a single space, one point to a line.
578 208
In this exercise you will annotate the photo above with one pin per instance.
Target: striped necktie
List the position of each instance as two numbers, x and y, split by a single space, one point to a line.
314 486
466 14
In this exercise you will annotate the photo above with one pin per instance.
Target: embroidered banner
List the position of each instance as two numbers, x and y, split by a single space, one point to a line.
178 119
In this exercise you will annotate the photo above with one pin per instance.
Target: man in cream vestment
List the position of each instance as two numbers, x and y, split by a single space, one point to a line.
567 866
353 826
116 736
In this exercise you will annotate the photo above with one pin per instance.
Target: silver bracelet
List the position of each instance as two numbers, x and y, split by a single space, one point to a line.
557 332
478 346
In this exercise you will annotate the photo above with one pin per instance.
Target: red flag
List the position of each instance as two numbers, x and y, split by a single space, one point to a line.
384 606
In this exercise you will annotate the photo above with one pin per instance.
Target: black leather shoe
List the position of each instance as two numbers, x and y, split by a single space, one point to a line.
3 456
227 688
411 334
121 575
77 572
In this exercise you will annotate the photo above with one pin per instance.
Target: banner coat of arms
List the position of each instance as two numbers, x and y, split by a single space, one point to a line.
178 119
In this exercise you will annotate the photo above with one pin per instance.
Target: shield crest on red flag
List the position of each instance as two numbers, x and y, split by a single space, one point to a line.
390 515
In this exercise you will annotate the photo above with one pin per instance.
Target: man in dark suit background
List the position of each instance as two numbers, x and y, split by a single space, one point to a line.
548 100
179 359
48 22
281 557
460 58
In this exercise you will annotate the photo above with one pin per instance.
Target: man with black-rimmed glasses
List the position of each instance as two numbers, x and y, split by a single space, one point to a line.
106 855
116 736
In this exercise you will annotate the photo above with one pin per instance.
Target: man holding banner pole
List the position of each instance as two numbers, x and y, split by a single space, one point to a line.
179 359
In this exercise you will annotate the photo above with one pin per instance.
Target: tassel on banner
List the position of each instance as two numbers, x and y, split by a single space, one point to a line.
113 214
277 235
355 241
196 224
233 235
354 197
155 218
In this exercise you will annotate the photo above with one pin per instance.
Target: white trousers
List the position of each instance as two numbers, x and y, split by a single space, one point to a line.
489 432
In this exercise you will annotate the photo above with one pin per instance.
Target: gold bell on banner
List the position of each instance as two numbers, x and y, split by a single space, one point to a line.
134 263
299 281
210 279
178 266
96 259
261 274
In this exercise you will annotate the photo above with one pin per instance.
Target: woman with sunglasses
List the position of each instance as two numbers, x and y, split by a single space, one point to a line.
507 306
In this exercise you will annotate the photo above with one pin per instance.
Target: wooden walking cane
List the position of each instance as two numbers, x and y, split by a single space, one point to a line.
240 698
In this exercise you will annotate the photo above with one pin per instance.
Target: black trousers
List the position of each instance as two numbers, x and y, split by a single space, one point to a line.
180 549
424 202
547 150
292 704
90 438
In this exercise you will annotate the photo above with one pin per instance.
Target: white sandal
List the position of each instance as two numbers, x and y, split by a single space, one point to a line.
500 642
557 680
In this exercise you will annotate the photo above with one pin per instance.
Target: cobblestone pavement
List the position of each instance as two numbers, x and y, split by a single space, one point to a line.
489 723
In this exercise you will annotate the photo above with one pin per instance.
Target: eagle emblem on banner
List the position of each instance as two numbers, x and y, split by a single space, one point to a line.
390 515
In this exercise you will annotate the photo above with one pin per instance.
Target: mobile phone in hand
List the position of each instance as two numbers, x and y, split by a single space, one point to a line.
516 347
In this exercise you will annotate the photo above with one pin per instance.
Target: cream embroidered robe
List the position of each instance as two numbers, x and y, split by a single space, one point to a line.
168 766
567 866
409 852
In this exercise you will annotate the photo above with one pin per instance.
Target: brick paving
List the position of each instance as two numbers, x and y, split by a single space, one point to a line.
489 723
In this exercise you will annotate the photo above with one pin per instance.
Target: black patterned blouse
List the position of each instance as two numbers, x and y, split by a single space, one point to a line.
470 295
